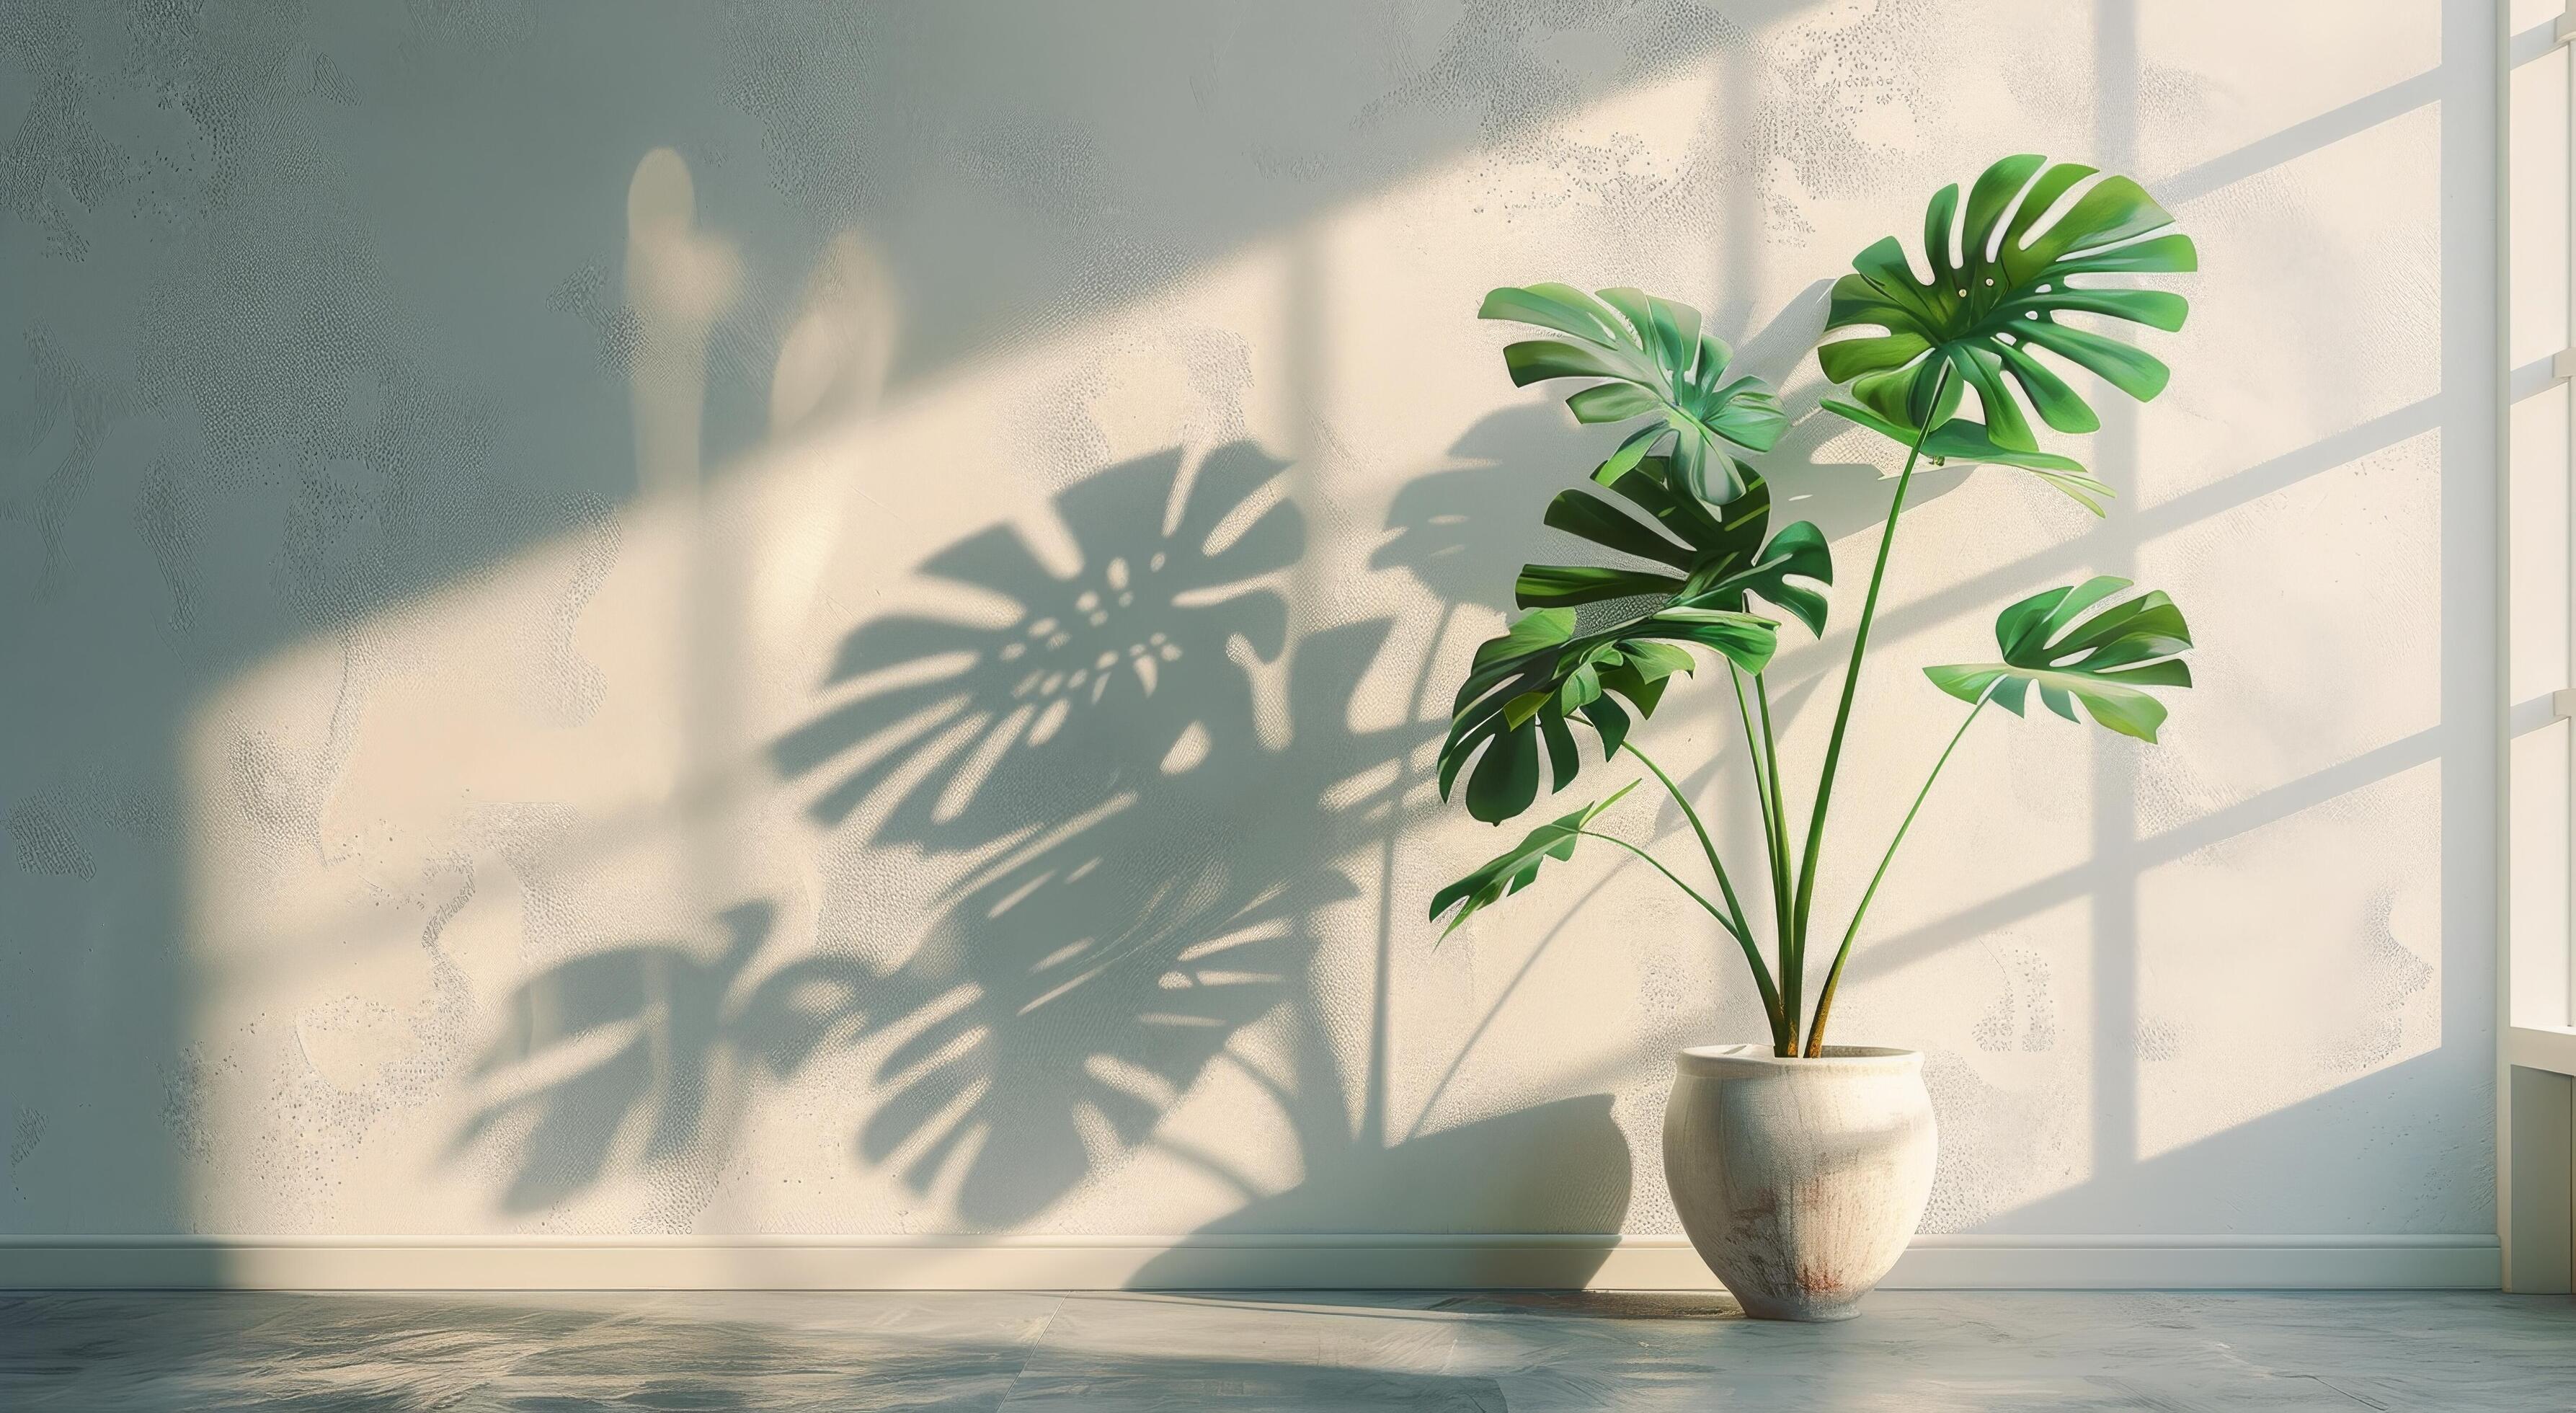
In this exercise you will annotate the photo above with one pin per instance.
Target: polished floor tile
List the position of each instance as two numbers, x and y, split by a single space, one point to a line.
1309 1350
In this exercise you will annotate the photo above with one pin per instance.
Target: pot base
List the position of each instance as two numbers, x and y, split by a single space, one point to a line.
1814 1312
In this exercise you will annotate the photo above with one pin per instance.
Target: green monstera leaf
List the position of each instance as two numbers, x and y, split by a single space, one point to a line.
1999 285
2102 661
1513 869
1530 683
1658 363
1718 558
1527 686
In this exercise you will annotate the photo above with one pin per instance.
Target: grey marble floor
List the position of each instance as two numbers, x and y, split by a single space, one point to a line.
1912 1350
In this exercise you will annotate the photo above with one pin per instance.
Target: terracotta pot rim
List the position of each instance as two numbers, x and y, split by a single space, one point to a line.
1748 1061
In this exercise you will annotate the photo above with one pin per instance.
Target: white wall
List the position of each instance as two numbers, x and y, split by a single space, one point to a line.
523 529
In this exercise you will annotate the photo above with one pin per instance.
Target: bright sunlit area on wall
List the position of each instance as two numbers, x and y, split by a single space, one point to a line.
1158 700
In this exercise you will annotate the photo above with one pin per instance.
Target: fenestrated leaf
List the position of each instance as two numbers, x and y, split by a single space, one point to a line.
1658 363
2103 661
1526 683
1511 870
1975 323
1579 512
1741 636
1720 559
1565 585
1611 720
1797 552
1652 661
1529 632
1508 780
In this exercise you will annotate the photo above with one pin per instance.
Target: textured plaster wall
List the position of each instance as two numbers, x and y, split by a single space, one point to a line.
832 618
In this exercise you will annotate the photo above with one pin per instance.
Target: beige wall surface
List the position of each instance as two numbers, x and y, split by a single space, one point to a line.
662 618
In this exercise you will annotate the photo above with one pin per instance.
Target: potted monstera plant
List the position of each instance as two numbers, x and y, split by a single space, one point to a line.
1799 1168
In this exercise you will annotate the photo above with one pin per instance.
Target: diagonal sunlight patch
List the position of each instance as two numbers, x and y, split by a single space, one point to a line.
2289 960
2013 1079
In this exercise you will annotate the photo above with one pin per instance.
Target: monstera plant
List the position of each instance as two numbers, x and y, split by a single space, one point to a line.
1978 320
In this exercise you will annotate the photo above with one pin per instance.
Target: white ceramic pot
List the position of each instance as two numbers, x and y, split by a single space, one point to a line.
1799 1181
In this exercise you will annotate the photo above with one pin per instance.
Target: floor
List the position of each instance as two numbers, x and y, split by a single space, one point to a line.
1911 1350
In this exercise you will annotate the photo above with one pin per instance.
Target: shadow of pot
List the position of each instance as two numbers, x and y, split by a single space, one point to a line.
1554 1178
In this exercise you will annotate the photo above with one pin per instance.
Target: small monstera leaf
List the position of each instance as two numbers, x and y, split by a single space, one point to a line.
1997 290
1659 363
1512 870
1528 685
2101 662
1719 557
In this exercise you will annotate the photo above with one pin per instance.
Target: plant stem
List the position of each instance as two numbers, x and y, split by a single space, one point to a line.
1752 748
1779 807
1781 1034
1794 947
1706 845
1695 894
1766 786
1834 977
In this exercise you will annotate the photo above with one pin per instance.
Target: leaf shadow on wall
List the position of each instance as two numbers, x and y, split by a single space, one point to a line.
633 1035
1141 860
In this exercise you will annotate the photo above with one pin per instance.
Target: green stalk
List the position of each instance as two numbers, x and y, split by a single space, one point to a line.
1781 1033
1834 977
1766 787
1779 804
1794 948
1716 865
1695 895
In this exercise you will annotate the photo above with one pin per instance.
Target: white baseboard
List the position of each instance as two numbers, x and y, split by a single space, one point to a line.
2469 1262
